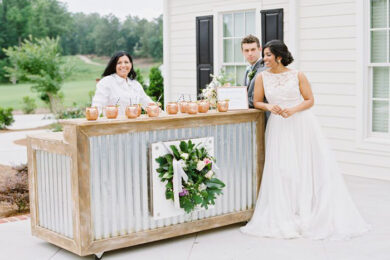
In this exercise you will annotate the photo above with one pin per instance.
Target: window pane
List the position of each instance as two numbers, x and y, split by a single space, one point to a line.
381 82
380 116
230 72
240 74
378 13
378 46
238 57
239 25
250 23
228 50
227 25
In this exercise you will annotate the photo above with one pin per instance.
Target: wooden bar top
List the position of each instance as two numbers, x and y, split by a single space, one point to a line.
162 117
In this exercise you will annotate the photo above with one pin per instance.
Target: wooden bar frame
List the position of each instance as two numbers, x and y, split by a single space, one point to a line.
74 142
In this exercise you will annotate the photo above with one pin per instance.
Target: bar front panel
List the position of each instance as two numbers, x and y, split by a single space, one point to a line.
54 192
119 176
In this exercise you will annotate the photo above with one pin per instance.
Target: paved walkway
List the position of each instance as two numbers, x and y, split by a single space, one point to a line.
371 196
14 154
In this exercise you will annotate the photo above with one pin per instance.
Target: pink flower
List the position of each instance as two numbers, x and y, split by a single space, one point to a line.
207 161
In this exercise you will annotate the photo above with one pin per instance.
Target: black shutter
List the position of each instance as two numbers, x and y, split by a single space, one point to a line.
271 25
204 51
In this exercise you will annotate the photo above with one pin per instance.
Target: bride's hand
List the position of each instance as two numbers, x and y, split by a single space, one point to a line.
287 112
275 109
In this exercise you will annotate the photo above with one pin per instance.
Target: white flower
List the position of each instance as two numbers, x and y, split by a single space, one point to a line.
184 156
202 187
200 165
209 174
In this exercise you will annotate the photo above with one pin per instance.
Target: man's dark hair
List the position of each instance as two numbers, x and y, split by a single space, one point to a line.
250 39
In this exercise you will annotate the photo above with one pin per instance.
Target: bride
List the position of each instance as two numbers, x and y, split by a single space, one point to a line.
302 194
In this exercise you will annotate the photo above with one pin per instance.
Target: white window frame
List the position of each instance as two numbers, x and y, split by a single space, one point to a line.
365 138
234 63
218 29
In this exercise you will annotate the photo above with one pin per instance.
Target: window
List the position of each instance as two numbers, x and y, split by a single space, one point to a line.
379 67
235 27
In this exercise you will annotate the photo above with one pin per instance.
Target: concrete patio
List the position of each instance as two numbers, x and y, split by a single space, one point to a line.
371 196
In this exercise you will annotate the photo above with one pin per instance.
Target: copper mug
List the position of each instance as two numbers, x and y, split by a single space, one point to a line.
192 108
139 110
223 105
111 112
183 105
91 113
153 110
132 111
203 106
172 108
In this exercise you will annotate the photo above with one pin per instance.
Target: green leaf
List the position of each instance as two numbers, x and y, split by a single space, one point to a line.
198 199
169 158
215 183
183 146
161 160
169 194
167 175
160 170
175 152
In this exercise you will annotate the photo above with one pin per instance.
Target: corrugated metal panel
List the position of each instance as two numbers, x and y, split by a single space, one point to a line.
119 176
54 192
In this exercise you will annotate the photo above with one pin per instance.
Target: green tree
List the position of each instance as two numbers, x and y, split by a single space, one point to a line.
106 36
39 61
140 79
156 85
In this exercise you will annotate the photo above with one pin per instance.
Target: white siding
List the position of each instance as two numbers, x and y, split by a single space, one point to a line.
326 45
328 40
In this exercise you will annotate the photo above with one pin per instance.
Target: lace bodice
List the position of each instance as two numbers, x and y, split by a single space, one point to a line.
282 89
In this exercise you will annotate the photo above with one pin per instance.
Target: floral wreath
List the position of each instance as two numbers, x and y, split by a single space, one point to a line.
199 187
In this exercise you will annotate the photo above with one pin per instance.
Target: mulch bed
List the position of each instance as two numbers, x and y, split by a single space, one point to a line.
7 209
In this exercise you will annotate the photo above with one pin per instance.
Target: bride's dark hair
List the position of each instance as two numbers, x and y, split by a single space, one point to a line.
279 49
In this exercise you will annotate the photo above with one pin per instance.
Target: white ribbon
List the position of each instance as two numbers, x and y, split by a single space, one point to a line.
178 174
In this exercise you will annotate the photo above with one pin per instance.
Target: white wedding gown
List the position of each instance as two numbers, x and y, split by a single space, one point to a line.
302 193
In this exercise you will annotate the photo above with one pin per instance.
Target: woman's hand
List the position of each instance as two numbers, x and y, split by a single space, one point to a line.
287 112
274 109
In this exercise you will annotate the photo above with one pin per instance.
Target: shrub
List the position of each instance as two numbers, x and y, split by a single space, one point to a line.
29 105
15 190
75 111
156 85
6 117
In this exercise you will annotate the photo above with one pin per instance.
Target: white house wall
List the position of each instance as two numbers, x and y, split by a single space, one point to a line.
325 39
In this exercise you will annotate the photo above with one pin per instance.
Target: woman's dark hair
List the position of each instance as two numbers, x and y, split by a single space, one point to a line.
279 49
111 66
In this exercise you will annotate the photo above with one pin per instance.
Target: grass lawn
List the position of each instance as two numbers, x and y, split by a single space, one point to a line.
75 89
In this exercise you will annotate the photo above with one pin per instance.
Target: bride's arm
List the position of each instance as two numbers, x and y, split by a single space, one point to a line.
258 97
307 94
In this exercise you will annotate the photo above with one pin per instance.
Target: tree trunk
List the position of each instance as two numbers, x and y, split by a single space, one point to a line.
56 105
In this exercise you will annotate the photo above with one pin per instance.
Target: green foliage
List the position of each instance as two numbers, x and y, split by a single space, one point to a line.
79 33
156 85
56 127
140 78
201 189
76 111
39 62
6 117
29 105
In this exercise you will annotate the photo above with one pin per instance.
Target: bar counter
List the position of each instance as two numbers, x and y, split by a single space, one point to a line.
90 184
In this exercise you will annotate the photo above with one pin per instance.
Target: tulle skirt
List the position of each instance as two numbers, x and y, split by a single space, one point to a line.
303 193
